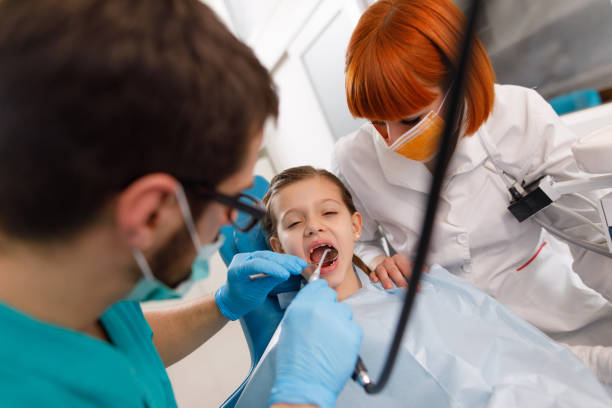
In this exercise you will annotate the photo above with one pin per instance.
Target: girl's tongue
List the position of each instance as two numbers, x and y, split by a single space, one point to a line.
317 253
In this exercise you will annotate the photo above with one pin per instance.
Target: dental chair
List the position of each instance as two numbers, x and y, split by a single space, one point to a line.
259 325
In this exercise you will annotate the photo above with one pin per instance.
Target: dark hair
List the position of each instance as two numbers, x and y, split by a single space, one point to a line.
97 93
293 175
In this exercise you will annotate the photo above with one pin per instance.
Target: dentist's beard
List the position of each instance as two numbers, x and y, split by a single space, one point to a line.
172 263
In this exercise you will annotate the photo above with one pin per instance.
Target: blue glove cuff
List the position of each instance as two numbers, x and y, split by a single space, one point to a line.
220 295
288 392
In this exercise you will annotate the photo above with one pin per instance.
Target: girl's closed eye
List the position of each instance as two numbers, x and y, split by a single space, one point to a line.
292 224
330 212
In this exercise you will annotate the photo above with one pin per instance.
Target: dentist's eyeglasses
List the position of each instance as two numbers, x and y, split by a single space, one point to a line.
249 209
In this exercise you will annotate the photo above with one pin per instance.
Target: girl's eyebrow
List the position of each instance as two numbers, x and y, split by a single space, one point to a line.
287 213
323 201
290 212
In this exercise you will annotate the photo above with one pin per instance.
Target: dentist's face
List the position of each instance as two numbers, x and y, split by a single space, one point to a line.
172 264
391 130
312 217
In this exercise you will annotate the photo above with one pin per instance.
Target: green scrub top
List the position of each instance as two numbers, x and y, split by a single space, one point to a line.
46 365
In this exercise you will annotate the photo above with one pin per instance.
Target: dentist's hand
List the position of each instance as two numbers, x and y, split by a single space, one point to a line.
317 349
240 294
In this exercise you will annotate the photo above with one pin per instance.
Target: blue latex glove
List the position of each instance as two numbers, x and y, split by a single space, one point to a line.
317 349
240 294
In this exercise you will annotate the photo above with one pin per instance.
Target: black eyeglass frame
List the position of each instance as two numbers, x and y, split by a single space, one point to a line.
257 211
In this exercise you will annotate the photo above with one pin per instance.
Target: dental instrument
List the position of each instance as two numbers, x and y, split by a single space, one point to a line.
256 276
308 266
317 272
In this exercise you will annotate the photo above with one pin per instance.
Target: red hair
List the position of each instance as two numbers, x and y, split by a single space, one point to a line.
401 49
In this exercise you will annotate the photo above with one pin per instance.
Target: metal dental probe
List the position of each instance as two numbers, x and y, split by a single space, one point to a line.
256 276
317 272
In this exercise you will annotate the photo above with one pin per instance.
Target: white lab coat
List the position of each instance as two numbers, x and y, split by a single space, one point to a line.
475 236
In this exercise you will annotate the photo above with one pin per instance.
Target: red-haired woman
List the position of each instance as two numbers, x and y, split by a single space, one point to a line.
398 60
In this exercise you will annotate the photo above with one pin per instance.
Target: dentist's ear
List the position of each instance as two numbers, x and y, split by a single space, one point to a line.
144 208
357 225
276 245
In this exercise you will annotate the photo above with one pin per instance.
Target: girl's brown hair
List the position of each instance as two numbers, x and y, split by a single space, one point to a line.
293 175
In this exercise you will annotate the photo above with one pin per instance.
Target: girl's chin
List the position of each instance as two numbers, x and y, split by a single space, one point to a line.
334 278
332 282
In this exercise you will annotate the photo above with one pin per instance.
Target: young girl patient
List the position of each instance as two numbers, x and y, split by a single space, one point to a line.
461 348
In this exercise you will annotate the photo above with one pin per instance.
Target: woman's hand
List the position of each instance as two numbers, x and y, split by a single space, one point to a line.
392 271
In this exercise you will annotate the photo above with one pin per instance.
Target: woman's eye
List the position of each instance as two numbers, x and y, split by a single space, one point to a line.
411 122
330 212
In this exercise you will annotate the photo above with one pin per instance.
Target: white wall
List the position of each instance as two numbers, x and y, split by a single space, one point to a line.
280 33
310 80
302 136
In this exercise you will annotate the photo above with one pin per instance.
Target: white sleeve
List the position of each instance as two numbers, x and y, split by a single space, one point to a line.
555 159
370 245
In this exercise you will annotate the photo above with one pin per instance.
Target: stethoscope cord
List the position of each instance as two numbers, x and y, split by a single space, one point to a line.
445 151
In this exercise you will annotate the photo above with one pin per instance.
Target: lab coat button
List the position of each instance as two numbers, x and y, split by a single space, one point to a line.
462 239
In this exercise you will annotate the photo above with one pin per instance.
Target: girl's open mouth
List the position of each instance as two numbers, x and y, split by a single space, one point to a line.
329 264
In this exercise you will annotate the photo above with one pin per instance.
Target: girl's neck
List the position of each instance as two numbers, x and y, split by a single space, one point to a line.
349 285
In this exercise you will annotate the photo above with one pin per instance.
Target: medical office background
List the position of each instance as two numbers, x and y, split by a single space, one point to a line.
561 48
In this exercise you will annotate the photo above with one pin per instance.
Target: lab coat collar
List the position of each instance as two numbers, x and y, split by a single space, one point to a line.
397 169
414 175
468 154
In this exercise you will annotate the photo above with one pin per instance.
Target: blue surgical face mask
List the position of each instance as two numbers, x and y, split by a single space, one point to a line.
151 288
200 268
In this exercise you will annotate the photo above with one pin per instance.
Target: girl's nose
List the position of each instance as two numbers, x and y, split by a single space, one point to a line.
313 228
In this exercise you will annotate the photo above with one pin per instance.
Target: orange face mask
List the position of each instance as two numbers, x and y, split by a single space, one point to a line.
421 142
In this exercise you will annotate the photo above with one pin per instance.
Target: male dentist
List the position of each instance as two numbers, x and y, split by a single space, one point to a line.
127 128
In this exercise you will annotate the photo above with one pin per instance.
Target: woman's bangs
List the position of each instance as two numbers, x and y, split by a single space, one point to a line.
381 84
